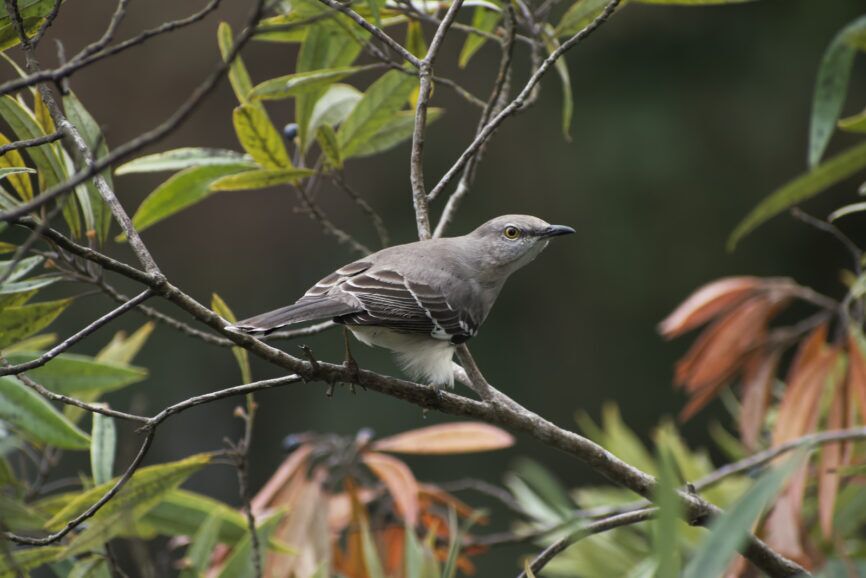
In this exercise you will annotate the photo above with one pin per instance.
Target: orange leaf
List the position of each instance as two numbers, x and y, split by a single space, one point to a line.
265 497
857 370
757 385
431 493
831 460
447 438
707 302
718 352
807 351
800 407
400 482
340 507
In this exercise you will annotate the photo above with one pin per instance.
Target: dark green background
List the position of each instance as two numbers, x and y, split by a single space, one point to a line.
684 118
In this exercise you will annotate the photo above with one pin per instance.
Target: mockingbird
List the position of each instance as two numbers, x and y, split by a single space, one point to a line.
420 299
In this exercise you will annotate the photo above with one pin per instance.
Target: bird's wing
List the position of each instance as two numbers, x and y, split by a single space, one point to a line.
319 302
392 300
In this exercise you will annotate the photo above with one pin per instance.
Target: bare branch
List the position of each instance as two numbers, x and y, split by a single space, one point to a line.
366 208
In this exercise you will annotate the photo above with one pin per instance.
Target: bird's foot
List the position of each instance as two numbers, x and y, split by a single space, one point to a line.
350 364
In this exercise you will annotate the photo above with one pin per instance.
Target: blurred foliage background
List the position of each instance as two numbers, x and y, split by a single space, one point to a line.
684 119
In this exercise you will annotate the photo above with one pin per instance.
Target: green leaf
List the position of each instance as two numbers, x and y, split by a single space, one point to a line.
379 104
201 548
36 419
551 44
855 123
72 374
414 554
180 191
181 513
334 106
394 131
19 322
290 27
140 494
90 567
238 75
372 562
578 16
21 268
544 485
184 158
92 134
847 210
32 13
292 85
665 530
802 188
18 516
327 140
830 88
103 437
29 559
28 285
328 45
485 20
259 179
20 182
730 530
222 309
259 138
239 563
122 349
693 2
7 171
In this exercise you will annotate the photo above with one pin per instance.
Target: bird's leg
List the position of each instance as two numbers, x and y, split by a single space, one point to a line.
316 368
349 362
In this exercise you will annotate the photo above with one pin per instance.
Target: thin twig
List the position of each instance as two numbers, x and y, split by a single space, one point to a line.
31 142
521 98
317 214
365 207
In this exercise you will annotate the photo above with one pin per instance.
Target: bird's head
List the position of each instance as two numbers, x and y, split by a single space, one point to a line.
512 241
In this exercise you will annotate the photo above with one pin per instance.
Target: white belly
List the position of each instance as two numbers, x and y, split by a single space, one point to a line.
421 356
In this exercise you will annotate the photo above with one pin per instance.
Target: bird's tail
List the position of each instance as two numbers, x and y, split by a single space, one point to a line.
303 310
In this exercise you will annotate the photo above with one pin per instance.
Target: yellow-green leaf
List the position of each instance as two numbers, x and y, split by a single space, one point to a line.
238 75
259 179
19 322
327 139
292 85
31 558
122 349
20 182
485 20
184 158
103 437
73 374
260 139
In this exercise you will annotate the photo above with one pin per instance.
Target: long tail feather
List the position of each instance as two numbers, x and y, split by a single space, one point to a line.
305 310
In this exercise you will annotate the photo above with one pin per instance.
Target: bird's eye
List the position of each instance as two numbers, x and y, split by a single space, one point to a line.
511 232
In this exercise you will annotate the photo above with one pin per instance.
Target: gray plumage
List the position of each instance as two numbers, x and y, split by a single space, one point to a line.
420 299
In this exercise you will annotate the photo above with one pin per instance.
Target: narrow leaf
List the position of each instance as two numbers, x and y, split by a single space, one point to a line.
400 482
22 321
802 188
238 75
201 548
123 349
184 158
20 182
327 139
292 85
393 131
36 419
485 20
334 106
222 309
259 179
72 374
449 438
103 437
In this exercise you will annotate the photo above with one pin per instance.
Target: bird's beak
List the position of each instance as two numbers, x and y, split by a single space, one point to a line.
555 231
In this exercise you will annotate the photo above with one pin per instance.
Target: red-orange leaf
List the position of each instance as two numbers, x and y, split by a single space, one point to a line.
447 438
719 351
808 350
757 381
800 407
783 530
400 482
707 302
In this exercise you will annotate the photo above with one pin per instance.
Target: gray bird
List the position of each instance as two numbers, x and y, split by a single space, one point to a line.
420 299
